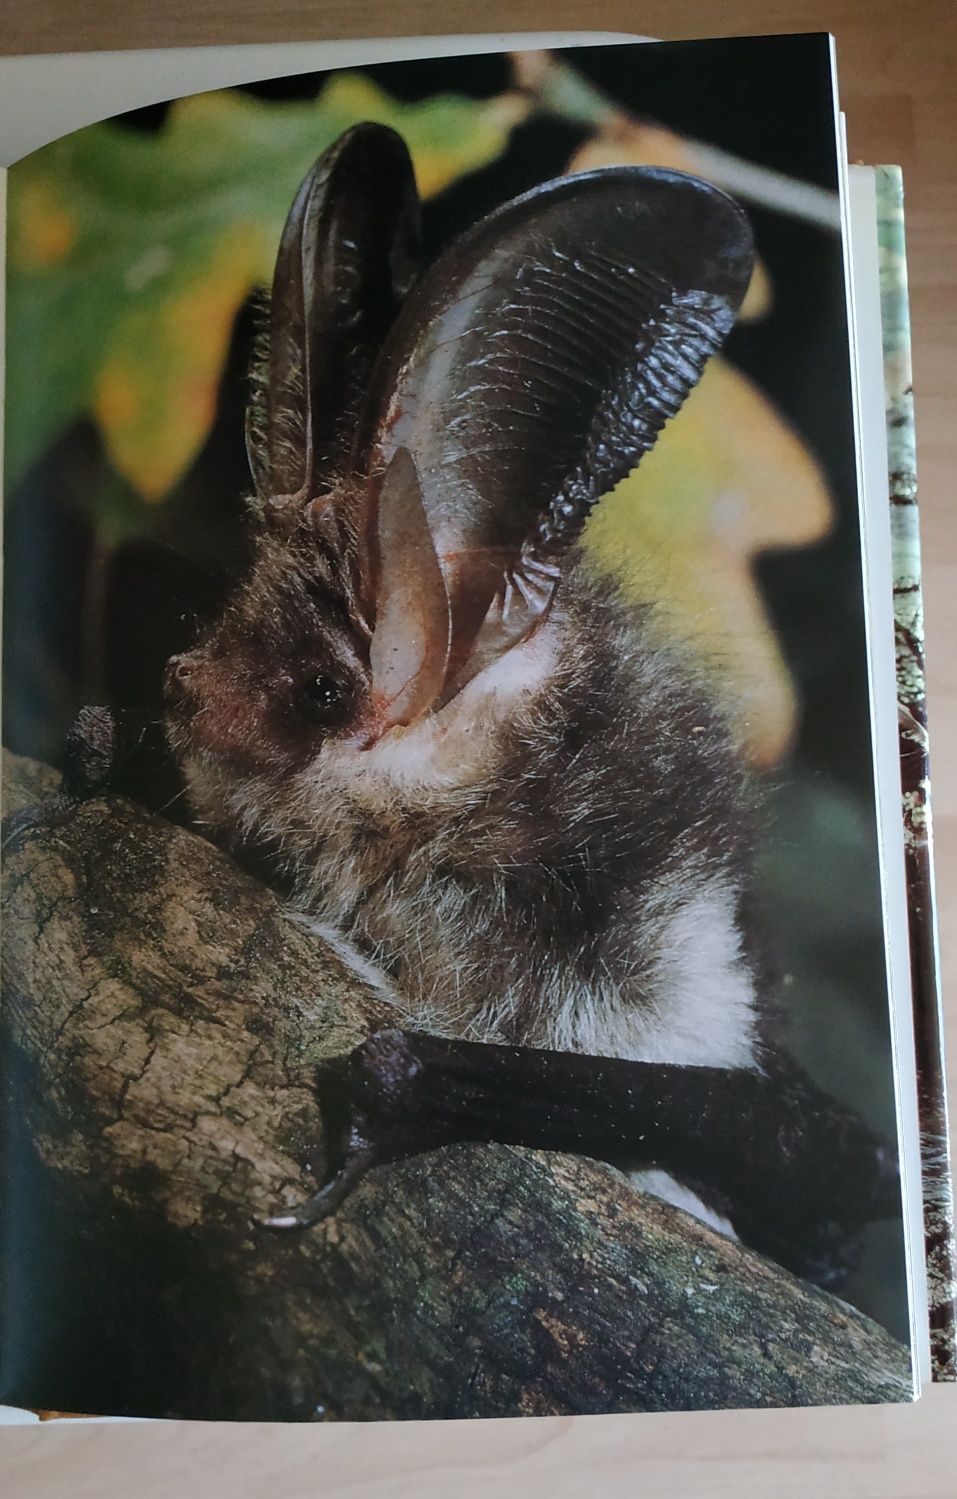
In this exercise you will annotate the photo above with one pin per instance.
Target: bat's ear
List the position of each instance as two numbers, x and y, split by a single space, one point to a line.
528 372
348 254
409 650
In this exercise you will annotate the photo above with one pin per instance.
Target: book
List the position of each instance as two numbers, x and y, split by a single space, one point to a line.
468 902
915 774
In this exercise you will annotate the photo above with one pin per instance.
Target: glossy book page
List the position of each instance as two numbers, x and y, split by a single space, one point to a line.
445 969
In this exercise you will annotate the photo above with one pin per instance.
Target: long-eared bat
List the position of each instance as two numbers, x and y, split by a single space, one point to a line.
493 784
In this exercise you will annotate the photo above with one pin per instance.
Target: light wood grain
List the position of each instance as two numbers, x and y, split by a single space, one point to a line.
898 65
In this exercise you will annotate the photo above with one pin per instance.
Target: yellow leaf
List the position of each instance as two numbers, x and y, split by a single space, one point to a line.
727 480
45 228
155 395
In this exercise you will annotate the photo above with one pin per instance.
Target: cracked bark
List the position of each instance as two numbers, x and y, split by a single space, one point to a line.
162 1020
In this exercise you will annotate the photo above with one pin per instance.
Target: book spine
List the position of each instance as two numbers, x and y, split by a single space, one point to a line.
915 778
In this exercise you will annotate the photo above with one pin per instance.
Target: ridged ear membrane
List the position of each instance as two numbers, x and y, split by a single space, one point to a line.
533 366
348 254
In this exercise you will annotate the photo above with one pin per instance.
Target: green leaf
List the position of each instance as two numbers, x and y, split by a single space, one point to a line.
131 253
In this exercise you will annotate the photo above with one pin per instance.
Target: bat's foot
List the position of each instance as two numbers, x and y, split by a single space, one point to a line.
329 1197
96 743
21 825
373 1112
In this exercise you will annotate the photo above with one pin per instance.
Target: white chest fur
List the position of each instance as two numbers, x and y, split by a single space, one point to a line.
699 1007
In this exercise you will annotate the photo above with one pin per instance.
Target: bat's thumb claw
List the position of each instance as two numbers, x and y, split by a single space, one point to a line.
281 1220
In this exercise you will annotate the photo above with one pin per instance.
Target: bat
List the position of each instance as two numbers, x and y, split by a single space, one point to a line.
500 790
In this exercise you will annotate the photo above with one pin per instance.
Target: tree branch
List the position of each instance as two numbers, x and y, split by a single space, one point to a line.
162 1022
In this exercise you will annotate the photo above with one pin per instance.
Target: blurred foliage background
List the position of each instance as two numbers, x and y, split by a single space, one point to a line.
135 249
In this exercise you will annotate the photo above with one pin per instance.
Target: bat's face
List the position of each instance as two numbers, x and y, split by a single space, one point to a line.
282 729
285 668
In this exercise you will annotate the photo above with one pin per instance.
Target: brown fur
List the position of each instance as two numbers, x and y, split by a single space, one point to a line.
514 863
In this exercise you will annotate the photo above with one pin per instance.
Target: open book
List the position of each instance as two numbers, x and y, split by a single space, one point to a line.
468 909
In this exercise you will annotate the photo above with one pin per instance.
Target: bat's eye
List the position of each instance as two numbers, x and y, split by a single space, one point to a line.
321 698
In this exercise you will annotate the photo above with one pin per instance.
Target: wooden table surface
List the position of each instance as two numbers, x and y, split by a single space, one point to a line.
898 71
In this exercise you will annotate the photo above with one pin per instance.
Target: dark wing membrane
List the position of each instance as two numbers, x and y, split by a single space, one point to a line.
540 356
348 254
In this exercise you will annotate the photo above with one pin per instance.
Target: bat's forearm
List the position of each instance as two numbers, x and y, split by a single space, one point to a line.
789 1165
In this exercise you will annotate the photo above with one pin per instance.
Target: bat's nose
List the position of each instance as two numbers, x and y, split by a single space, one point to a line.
177 677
